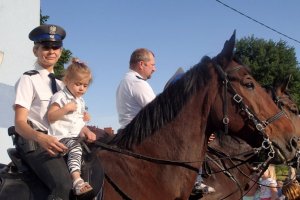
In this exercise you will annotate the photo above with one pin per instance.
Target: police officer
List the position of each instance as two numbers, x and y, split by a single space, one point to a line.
33 92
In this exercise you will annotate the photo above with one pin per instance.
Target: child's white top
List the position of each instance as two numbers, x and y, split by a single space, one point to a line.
72 123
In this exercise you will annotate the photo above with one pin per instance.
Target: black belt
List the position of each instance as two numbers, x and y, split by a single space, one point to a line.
27 145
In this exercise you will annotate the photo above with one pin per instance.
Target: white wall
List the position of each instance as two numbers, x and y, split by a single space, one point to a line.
17 19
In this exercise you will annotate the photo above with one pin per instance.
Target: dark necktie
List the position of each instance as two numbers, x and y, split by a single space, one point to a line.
140 78
53 83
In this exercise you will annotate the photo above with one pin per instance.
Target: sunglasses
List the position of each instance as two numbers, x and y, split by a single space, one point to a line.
47 48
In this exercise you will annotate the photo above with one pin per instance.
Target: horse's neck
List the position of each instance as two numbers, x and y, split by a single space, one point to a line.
231 148
229 145
181 139
218 180
183 135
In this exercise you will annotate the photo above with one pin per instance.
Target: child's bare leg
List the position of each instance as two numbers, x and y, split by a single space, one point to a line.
75 175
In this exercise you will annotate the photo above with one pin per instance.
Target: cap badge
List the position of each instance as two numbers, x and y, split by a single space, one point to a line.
52 30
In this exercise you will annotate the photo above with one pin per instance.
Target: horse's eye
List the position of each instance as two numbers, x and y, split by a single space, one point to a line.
294 111
249 85
280 104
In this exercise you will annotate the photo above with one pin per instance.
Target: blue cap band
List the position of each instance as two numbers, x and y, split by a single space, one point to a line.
47 37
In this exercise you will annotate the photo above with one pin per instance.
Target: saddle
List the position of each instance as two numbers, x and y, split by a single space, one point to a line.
18 175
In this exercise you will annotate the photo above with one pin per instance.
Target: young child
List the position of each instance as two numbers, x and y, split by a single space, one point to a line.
66 117
268 190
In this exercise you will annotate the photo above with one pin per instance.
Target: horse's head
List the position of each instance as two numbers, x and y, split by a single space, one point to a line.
283 99
247 110
281 96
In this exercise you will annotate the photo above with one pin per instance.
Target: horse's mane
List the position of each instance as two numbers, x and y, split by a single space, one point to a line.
165 107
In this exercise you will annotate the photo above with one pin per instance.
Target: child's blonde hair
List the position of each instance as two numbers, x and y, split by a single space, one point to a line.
77 70
270 172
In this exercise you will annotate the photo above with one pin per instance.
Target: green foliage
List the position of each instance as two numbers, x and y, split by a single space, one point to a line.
269 60
282 172
65 56
43 19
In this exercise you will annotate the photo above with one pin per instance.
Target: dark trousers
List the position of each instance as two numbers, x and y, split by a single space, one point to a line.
52 171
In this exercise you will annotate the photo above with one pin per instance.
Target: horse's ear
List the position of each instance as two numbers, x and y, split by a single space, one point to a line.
286 82
283 85
227 52
178 74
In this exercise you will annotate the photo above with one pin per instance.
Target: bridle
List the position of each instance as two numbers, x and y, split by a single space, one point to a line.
259 124
279 101
260 127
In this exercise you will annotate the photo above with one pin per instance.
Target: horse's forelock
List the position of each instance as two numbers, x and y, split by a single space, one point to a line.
237 59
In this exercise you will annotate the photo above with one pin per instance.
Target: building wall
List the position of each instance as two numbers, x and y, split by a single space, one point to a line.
17 19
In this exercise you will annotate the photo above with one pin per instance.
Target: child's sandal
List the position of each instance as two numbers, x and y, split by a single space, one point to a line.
80 187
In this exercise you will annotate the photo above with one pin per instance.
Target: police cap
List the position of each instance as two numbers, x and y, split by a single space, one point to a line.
48 34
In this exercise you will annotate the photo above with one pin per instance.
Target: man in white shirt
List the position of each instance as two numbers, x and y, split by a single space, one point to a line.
134 92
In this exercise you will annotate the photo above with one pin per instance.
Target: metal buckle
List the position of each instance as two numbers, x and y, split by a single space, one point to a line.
225 120
237 98
260 127
266 144
271 154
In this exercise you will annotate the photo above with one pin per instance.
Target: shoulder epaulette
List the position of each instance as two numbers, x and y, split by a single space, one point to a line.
31 72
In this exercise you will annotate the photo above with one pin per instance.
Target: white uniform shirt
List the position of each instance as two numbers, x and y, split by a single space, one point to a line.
132 95
72 123
33 92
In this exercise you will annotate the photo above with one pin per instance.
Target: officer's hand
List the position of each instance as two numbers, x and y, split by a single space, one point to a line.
51 144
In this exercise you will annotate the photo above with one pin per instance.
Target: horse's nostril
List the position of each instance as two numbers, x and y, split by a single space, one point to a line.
294 142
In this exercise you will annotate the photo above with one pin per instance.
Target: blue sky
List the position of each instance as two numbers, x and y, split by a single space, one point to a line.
103 33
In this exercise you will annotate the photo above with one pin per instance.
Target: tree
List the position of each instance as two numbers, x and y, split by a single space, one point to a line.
43 18
65 56
269 60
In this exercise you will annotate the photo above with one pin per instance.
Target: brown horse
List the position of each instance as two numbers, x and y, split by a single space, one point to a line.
154 156
234 172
